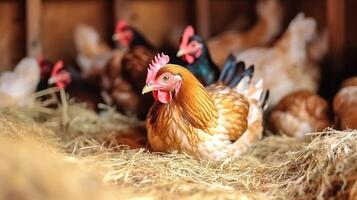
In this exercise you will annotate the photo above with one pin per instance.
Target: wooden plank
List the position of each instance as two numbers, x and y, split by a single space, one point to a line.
235 15
59 20
336 11
351 39
120 9
203 18
160 21
33 20
12 33
314 9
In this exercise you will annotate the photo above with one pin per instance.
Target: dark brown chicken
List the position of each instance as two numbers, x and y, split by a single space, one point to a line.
345 105
78 88
122 81
124 75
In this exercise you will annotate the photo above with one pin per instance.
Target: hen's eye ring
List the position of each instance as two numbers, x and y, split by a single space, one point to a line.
165 78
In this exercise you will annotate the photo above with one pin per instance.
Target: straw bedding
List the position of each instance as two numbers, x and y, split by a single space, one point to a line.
45 159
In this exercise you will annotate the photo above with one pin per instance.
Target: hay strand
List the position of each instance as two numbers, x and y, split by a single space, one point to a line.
275 168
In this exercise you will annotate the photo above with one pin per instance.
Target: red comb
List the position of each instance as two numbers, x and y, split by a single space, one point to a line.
58 66
156 64
121 24
63 77
189 32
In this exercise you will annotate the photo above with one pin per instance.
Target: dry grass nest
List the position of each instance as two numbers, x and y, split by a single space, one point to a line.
35 140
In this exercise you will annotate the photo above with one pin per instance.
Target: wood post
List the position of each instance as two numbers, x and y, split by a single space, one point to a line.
119 7
33 20
336 22
203 18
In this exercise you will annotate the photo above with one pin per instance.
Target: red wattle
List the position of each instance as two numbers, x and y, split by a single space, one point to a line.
189 58
162 96
154 93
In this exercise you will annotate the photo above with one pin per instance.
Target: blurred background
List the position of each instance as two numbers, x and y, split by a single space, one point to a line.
46 27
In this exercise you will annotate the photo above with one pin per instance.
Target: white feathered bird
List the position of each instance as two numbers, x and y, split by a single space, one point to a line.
17 86
286 67
93 53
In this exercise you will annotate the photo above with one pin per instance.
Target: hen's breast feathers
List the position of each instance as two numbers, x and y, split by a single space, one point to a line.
175 132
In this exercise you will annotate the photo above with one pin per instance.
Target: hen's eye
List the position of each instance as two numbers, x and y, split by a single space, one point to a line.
165 78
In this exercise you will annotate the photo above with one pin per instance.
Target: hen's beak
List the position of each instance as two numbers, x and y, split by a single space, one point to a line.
147 88
181 52
52 80
116 37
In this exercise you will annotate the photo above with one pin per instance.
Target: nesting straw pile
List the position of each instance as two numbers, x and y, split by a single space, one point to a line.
45 159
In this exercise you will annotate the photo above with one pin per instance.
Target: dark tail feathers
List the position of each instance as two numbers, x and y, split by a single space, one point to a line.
234 71
264 99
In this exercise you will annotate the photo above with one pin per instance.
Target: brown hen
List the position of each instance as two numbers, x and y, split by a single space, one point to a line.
218 122
345 105
124 75
299 113
122 80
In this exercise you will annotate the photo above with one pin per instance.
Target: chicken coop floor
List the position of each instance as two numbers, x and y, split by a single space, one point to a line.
46 159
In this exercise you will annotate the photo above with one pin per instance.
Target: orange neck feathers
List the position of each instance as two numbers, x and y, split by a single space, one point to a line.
192 101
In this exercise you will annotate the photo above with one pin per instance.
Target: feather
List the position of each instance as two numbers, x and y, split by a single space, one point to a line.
230 70
233 72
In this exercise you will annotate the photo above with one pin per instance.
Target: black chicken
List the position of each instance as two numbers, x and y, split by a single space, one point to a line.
78 88
194 51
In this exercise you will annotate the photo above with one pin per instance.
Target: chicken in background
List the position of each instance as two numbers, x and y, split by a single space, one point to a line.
129 37
139 55
93 53
17 86
299 113
286 67
318 48
124 75
78 88
218 122
194 51
117 90
345 105
270 16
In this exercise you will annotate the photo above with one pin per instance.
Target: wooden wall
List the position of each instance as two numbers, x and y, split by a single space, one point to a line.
351 39
161 21
12 33
60 18
231 13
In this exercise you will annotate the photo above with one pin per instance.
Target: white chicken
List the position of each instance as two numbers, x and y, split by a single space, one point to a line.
286 67
93 53
17 86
